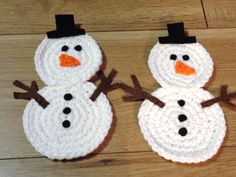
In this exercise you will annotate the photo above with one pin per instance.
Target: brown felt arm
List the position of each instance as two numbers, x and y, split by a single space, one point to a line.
137 93
224 97
105 85
32 93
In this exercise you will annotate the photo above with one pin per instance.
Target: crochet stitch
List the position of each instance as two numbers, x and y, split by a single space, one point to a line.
70 117
161 127
189 125
89 121
163 68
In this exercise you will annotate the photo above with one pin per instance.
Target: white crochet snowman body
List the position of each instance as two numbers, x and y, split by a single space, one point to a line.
182 131
72 125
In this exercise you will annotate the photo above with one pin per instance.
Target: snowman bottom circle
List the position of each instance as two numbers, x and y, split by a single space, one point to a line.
72 125
182 131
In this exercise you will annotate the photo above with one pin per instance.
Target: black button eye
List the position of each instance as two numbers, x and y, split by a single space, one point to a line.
78 48
181 102
64 48
66 123
183 131
173 57
66 110
185 57
68 97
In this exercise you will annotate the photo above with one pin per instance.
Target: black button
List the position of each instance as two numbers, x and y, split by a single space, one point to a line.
181 102
66 123
68 97
183 131
64 48
185 57
173 57
182 117
78 48
66 110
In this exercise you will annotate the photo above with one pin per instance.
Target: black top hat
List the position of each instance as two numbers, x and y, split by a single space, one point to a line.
176 35
65 25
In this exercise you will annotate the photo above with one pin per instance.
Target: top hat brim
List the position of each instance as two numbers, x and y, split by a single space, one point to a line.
64 33
177 40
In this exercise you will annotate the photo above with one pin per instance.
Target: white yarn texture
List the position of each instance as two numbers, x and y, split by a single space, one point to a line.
89 122
182 131
47 60
163 68
160 126
74 127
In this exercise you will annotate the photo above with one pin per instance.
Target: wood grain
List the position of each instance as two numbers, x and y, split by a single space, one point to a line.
124 152
141 164
34 16
125 51
220 14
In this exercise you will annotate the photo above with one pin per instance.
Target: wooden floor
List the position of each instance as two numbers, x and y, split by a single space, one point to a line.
126 30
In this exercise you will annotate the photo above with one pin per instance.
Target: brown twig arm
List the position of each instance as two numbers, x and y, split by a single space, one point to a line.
105 85
224 97
137 93
32 93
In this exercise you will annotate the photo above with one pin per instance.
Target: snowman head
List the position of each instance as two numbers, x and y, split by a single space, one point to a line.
180 61
68 54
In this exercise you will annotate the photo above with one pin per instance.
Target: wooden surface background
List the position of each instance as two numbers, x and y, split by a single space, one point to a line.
126 30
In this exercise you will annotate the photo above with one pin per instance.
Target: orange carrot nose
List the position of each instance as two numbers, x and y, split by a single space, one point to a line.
184 69
68 61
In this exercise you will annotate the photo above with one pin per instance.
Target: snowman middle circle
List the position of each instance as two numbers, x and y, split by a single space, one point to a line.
68 128
185 133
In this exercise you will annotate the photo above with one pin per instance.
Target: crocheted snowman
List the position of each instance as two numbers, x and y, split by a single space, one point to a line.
70 117
181 121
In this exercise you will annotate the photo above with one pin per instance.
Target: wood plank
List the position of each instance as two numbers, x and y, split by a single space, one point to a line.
125 51
123 164
33 16
220 14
